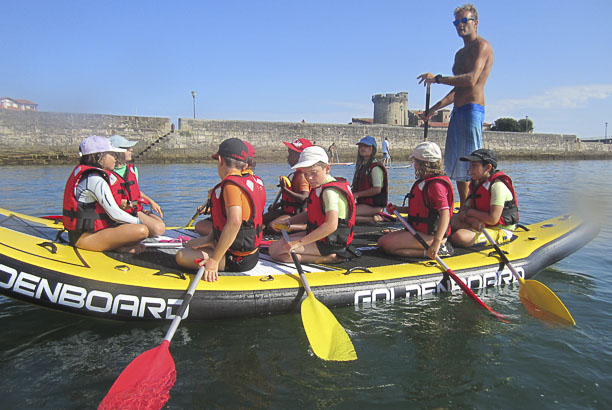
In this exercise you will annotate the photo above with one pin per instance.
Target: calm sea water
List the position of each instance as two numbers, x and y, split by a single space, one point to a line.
437 352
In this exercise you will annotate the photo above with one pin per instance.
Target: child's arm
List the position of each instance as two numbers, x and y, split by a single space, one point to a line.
228 235
487 218
445 217
154 205
367 192
324 230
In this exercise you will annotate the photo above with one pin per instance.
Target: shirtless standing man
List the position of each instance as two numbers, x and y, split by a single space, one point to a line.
470 72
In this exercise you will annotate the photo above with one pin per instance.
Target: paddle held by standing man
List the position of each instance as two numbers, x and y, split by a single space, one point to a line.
471 70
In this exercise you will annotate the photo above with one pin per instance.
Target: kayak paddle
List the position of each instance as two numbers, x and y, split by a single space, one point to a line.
536 296
327 337
280 191
448 270
146 382
426 125
204 207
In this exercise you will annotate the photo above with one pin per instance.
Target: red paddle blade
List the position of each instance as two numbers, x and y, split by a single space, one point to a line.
145 383
471 294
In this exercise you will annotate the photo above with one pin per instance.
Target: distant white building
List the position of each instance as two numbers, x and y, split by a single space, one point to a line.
8 103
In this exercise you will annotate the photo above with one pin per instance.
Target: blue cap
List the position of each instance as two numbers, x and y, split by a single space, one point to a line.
367 140
121 142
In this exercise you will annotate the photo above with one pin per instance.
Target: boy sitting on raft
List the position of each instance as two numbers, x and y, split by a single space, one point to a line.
237 207
294 188
330 214
429 208
491 203
205 227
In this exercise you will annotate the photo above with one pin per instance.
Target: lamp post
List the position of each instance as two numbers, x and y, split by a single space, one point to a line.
606 131
526 124
193 94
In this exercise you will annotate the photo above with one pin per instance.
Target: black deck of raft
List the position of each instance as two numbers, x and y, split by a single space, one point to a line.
365 236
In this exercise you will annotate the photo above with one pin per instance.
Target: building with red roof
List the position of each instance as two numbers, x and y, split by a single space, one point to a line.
8 103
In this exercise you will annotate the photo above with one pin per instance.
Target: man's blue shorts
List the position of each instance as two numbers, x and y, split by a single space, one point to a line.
463 137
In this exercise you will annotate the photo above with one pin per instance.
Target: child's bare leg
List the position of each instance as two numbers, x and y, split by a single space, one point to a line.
122 238
204 227
155 224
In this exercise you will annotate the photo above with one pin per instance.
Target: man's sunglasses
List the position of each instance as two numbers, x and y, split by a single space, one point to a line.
463 20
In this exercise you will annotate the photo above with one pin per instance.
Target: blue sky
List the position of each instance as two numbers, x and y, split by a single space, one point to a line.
320 61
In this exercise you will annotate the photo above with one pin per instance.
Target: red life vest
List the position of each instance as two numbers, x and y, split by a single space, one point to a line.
421 216
250 234
79 216
289 205
127 188
342 236
363 181
481 197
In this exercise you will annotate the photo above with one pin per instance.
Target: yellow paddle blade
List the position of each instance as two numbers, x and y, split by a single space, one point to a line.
542 302
327 337
287 181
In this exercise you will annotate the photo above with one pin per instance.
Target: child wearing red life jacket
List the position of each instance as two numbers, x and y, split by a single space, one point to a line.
237 204
91 214
128 188
294 190
205 226
491 202
429 208
330 214
370 183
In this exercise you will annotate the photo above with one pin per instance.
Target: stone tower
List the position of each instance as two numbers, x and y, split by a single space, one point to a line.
391 109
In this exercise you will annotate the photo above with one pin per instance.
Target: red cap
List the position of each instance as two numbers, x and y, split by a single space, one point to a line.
250 150
298 145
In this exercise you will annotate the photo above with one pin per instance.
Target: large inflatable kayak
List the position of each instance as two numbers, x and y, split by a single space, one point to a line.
38 266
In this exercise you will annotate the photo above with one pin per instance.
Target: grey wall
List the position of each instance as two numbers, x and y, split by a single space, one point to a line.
40 137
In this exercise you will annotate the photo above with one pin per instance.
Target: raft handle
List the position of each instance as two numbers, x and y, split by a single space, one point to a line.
47 245
266 278
361 268
495 253
180 275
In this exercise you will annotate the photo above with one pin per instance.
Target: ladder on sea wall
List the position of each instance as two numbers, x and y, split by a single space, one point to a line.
150 146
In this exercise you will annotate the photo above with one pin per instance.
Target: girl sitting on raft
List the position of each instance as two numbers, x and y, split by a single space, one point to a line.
91 215
127 187
429 208
330 214
370 183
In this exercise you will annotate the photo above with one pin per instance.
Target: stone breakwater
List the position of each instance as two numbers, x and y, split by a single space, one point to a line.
53 138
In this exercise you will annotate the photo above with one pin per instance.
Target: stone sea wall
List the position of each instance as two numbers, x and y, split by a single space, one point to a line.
32 137
40 137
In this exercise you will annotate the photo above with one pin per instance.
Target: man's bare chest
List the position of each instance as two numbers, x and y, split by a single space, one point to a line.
464 62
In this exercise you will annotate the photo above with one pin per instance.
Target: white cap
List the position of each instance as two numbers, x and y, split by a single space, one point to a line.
310 156
426 151
95 143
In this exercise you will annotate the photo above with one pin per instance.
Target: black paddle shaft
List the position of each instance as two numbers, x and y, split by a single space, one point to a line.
426 126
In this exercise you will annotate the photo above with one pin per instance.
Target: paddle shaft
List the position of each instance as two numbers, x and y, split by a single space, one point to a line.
452 274
276 200
502 255
179 315
426 125
298 265
206 205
